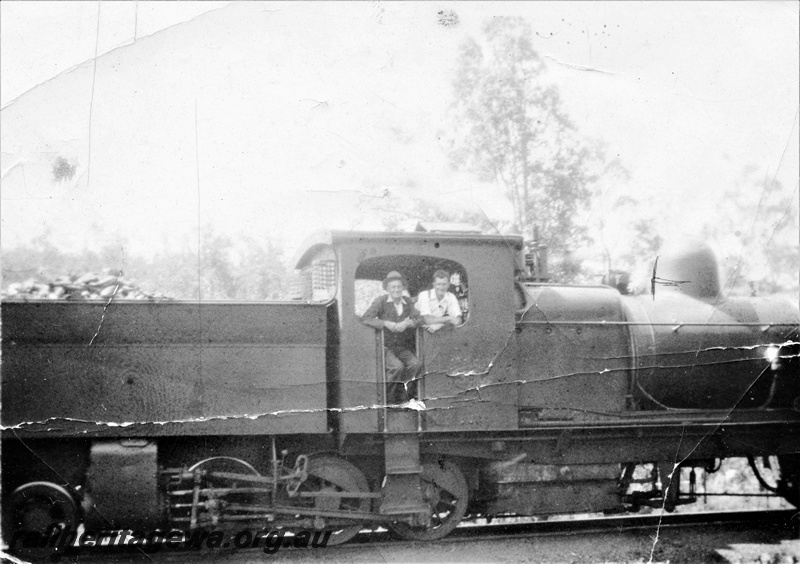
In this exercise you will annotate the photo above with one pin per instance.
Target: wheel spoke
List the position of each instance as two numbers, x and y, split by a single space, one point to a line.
446 490
329 473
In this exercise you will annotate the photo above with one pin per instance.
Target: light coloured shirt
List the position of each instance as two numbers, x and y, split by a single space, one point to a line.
429 304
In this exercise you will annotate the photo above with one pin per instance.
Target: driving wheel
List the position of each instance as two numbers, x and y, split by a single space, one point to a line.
331 475
445 489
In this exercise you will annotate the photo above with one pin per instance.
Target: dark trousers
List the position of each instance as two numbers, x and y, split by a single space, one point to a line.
403 370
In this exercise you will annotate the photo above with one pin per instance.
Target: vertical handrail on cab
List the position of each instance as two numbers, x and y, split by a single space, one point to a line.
382 394
381 380
421 384
420 344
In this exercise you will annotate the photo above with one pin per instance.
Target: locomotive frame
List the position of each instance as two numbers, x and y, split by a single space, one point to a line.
210 415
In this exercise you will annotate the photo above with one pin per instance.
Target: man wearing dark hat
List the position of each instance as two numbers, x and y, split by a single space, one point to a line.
397 317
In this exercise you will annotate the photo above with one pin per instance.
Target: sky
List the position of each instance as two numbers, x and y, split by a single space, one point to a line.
39 40
278 119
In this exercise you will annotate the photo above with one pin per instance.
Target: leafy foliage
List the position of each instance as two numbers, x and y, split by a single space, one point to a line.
756 227
511 129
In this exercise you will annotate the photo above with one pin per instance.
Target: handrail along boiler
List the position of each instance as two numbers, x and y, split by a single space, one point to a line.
546 399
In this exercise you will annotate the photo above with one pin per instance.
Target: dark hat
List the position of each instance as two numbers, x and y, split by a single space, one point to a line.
394 275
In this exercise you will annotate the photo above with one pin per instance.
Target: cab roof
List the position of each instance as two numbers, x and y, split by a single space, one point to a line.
321 239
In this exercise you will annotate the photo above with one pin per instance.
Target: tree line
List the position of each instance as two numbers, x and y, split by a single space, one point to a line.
508 126
227 267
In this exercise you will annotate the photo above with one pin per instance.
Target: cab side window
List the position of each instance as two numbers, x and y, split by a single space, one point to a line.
316 282
420 272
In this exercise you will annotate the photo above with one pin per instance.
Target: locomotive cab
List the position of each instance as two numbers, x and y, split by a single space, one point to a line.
458 361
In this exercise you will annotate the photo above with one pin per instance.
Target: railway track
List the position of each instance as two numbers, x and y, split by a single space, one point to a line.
598 525
789 518
787 521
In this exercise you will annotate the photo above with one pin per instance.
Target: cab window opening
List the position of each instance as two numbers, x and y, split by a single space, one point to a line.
420 274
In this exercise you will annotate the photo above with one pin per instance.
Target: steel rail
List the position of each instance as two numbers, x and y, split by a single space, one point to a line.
599 525
764 326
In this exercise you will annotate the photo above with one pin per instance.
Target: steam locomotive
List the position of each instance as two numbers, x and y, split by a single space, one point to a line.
547 399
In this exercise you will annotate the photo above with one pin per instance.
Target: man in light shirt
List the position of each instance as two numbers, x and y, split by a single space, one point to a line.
437 306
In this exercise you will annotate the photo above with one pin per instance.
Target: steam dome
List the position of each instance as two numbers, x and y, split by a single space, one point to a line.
690 268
